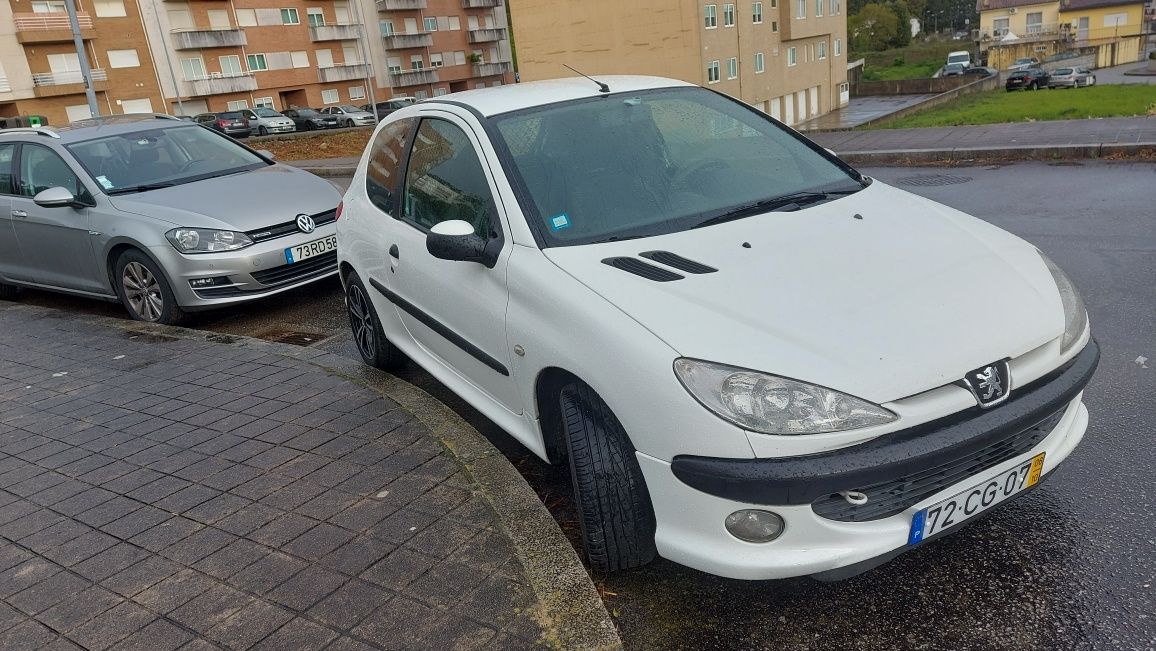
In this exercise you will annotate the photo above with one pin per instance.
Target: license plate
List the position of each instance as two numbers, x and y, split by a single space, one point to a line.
310 249
978 498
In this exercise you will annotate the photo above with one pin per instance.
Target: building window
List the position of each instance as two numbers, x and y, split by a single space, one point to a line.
732 68
791 56
237 105
455 23
316 17
357 92
800 8
330 97
999 26
760 62
774 4
818 8
386 27
834 7
299 58
193 68
416 62
289 16
230 65
713 73
822 50
1035 22
108 8
711 16
421 94
438 92
435 60
728 15
256 62
123 59
431 24
757 12
263 102
775 26
838 46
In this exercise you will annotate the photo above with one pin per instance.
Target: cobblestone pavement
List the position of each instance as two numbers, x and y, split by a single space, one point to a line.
163 493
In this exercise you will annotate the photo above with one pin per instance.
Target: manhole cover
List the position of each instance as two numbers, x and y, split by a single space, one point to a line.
926 180
294 337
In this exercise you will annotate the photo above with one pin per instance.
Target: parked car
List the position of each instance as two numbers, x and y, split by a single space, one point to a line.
981 71
389 106
959 56
954 69
1030 79
1024 64
265 121
1071 78
308 119
350 116
628 281
159 214
230 123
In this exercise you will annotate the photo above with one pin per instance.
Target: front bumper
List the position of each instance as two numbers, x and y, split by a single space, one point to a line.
693 495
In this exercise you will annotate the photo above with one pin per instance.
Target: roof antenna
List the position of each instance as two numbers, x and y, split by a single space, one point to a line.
601 86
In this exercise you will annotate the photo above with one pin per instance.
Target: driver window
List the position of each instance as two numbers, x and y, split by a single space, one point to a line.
41 168
445 179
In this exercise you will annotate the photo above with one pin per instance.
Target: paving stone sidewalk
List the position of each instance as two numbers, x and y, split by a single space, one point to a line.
162 493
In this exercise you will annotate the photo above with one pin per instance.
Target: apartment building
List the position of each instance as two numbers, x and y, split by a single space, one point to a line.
1105 32
194 56
785 57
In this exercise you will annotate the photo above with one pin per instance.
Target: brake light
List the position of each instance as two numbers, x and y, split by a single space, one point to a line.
340 207
224 123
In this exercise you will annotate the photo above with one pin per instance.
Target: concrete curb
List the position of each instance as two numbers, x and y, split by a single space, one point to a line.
574 615
1013 153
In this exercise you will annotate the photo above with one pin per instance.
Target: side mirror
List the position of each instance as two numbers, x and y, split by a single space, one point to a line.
267 154
831 151
456 240
56 197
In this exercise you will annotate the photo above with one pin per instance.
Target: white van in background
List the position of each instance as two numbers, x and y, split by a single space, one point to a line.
961 56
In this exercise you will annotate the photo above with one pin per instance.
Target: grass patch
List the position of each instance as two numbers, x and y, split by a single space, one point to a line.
915 61
1027 106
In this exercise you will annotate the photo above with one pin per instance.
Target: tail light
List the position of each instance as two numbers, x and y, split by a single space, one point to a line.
340 207
224 123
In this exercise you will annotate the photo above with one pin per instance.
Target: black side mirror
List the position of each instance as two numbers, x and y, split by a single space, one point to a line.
456 240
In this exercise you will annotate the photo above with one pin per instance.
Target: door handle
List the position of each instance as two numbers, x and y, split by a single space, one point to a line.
394 253
19 213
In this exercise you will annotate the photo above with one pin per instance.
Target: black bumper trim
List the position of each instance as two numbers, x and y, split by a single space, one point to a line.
801 480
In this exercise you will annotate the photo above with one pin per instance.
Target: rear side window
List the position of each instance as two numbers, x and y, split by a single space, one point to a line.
7 186
383 172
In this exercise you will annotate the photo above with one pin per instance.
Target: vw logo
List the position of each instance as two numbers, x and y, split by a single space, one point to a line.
305 223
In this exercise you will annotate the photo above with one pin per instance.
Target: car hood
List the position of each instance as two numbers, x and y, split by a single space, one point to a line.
243 202
909 297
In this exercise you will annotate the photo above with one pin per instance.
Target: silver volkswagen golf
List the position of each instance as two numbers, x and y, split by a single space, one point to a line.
165 216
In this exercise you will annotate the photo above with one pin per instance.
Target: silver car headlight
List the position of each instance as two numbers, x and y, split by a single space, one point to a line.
207 240
775 405
1075 313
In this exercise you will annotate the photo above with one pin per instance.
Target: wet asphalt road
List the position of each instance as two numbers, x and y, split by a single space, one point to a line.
1071 565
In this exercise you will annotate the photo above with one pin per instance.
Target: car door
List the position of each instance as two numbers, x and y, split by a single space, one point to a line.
251 118
455 311
11 261
55 243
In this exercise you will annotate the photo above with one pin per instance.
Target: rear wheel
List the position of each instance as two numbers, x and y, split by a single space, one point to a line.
144 290
1033 86
371 343
614 506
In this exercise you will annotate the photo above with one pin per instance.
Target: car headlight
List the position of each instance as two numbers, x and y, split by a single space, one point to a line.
775 405
1075 314
207 240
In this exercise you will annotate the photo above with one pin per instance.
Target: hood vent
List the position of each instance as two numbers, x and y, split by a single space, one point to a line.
640 268
678 262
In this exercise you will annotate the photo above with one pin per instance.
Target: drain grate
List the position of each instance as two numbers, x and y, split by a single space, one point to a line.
294 337
928 180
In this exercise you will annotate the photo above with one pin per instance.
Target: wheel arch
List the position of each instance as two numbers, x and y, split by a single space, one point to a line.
115 249
547 391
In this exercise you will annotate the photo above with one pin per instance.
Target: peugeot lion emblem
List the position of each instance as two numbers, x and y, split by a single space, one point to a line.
989 384
305 223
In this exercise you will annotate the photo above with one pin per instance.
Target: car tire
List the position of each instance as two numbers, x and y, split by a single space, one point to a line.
1033 86
144 291
349 124
614 506
262 131
368 336
9 292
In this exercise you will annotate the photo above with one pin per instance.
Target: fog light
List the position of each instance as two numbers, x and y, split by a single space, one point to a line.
754 526
201 283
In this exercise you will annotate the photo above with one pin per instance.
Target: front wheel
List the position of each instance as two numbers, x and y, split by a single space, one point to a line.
372 345
262 131
349 123
614 506
144 291
1033 86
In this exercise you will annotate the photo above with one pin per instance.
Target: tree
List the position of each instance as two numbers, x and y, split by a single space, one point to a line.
873 28
903 24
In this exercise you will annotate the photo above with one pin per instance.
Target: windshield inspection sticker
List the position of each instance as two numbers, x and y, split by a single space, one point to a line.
559 222
104 182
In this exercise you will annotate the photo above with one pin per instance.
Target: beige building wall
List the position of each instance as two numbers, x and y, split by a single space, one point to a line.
676 38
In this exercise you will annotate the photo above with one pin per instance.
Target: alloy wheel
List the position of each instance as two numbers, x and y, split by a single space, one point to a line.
142 291
361 320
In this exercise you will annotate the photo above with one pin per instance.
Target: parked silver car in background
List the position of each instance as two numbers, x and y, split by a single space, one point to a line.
263 121
350 116
164 216
1071 78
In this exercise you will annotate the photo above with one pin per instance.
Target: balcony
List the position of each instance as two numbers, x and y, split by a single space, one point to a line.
1037 32
413 78
401 5
217 84
487 35
491 69
54 84
480 4
343 73
50 27
334 33
403 41
196 39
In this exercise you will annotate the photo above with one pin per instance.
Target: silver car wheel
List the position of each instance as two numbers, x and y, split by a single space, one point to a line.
142 291
362 322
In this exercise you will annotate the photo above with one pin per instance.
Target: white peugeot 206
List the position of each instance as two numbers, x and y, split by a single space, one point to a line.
758 362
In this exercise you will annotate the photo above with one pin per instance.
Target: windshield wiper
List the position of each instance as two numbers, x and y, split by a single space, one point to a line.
785 202
142 187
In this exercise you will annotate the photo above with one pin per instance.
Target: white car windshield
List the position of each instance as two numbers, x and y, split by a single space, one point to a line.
267 113
661 161
350 109
156 158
